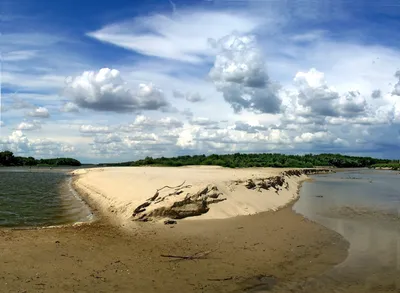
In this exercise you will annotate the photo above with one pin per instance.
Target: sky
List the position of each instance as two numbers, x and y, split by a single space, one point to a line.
115 81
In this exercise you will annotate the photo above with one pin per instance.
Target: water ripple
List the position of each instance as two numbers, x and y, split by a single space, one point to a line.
39 199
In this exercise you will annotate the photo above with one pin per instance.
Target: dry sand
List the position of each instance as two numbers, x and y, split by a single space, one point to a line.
117 192
241 254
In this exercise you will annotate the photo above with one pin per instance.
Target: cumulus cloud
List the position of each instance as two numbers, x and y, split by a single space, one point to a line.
145 123
315 94
19 143
320 116
69 108
352 104
396 90
194 97
107 139
34 125
316 98
2 124
40 112
376 94
194 137
242 126
320 137
239 73
204 122
105 90
90 129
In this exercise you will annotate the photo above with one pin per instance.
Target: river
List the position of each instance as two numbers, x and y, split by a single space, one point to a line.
39 197
364 207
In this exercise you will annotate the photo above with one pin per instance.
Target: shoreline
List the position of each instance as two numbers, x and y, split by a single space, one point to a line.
266 249
142 194
241 253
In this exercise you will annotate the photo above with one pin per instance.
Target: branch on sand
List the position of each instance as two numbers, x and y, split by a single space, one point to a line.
154 197
221 279
198 255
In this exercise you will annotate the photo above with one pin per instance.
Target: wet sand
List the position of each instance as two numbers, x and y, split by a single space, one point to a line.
366 214
250 253
281 246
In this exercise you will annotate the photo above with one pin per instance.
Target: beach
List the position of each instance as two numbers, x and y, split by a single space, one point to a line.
244 242
194 192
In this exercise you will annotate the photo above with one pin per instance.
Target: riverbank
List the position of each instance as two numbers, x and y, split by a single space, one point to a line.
281 246
146 194
234 254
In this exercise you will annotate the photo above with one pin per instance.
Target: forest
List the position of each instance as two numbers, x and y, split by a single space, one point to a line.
260 160
8 159
237 160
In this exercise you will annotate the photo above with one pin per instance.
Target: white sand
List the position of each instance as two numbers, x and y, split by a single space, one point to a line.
117 191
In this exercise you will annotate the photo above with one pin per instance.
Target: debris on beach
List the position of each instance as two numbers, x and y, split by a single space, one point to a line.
170 222
181 201
191 205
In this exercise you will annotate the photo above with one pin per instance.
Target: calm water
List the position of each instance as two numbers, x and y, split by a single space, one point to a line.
364 207
39 198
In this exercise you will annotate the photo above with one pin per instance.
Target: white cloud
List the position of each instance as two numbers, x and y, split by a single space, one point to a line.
144 123
239 73
204 121
40 112
105 90
319 138
396 90
351 103
308 36
186 137
35 125
242 126
19 55
69 108
89 129
194 97
180 37
315 94
32 81
2 124
107 139
19 143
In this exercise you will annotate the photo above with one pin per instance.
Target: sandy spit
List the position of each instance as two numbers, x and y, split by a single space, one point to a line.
275 250
117 191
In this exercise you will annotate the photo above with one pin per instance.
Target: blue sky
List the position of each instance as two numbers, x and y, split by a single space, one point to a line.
112 81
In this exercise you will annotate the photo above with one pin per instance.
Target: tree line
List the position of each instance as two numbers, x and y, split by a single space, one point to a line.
8 159
259 160
391 166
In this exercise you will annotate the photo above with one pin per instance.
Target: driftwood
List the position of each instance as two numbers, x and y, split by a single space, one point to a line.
141 208
166 186
154 197
198 255
221 279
